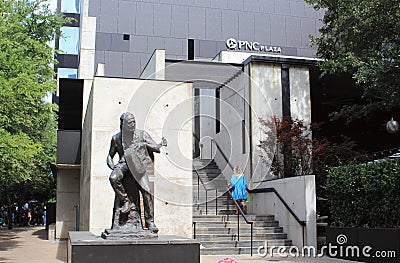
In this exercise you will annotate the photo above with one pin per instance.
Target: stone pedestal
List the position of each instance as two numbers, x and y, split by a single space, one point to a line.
112 234
84 247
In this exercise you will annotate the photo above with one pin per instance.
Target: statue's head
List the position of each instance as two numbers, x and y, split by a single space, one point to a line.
128 121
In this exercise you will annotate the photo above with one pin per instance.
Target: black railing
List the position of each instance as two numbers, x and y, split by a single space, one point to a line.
273 190
199 180
241 213
222 153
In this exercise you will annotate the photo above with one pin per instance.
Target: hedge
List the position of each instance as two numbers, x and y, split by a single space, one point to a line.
366 195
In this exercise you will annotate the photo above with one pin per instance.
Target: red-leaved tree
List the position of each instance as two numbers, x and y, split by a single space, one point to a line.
289 146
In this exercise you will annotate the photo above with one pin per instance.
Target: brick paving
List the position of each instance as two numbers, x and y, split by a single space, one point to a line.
30 244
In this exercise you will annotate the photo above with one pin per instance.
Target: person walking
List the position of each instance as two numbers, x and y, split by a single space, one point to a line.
238 186
29 216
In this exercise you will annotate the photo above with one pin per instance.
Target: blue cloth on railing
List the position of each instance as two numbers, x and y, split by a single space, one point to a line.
239 185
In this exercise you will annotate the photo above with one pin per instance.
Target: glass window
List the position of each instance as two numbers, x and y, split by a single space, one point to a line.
67 73
69 43
70 6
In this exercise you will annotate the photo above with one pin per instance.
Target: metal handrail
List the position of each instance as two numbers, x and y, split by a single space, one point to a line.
245 219
301 222
236 204
273 190
222 153
206 191
230 194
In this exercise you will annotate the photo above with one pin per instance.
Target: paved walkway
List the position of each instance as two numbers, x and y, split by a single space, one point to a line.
30 244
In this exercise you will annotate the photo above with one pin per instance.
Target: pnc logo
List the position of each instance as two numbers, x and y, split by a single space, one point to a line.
234 44
231 43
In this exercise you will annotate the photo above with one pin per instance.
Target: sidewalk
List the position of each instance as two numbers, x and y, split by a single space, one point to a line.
30 244
257 259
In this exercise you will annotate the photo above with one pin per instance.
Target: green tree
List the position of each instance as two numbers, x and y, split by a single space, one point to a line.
27 122
362 38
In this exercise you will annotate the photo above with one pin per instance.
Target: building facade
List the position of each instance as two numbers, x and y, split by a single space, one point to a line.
127 32
238 60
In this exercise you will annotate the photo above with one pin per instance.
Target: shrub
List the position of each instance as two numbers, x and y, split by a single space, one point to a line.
365 195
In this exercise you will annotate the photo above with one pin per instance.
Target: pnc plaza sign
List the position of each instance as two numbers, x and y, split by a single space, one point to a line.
234 44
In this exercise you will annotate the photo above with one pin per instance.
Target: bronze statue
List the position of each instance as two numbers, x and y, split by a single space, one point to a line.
136 151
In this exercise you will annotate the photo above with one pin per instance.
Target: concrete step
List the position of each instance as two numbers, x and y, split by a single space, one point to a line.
244 236
208 185
203 162
211 203
217 181
220 208
247 243
197 204
221 189
211 196
218 233
205 169
221 193
249 217
210 177
223 251
202 168
200 164
234 224
200 211
212 212
222 184
233 230
211 172
208 169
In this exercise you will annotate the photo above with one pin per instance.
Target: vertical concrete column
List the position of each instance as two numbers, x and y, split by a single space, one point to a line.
87 49
300 100
265 101
155 68
67 197
311 211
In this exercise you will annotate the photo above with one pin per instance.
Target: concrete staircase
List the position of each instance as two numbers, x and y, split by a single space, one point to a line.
216 185
217 226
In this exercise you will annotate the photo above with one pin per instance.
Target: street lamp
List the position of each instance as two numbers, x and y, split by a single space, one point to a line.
392 126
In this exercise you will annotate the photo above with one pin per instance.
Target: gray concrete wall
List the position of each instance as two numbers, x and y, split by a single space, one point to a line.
67 197
207 122
164 109
86 162
299 193
168 24
256 93
265 99
233 110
